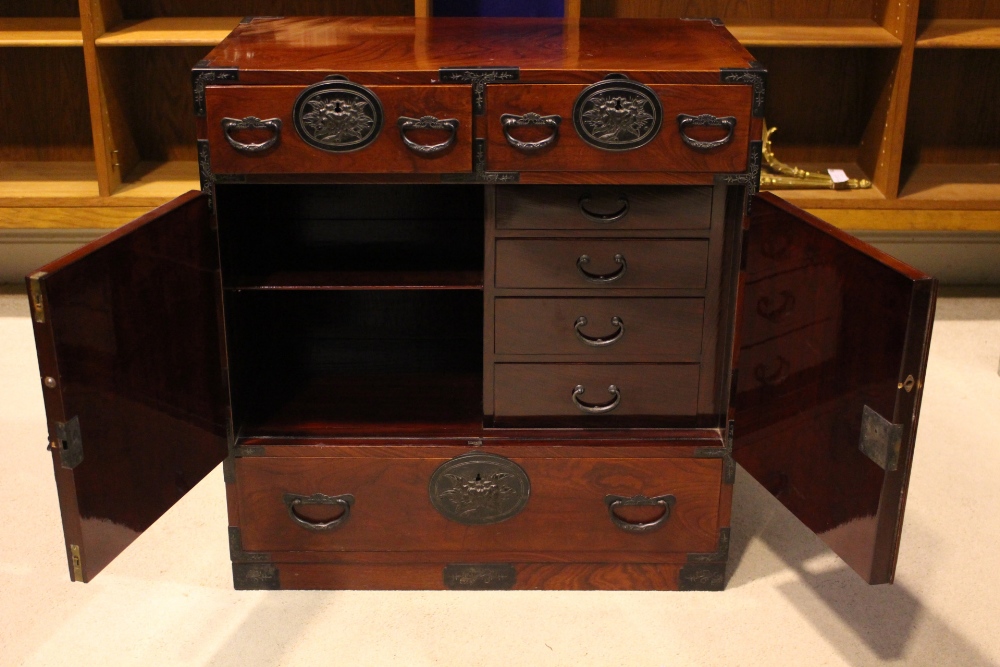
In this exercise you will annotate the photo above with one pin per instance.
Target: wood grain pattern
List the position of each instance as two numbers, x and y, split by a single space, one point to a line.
959 33
386 154
653 328
61 31
566 207
170 31
667 149
552 263
392 511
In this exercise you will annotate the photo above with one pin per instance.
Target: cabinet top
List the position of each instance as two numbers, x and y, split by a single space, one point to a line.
412 50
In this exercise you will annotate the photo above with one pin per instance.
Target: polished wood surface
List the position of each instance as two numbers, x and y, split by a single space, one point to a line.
651 394
602 207
667 149
386 154
566 510
552 263
864 328
131 338
648 329
413 49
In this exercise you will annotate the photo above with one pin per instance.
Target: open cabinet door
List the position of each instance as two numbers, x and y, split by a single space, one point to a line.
129 348
832 351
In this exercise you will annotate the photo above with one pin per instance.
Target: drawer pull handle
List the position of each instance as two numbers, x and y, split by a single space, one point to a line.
605 277
597 408
685 121
273 125
604 217
614 502
509 121
599 342
428 123
293 500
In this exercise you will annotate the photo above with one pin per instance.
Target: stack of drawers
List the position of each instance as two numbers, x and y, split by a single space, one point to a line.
599 304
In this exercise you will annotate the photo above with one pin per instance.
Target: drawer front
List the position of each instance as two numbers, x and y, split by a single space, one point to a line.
611 329
387 152
391 507
551 390
601 263
666 151
603 207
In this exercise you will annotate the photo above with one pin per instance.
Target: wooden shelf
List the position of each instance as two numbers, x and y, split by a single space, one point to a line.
959 183
959 34
45 183
812 33
364 280
154 183
42 31
171 31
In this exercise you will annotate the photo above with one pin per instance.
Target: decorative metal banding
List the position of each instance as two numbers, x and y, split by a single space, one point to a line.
477 489
617 114
338 116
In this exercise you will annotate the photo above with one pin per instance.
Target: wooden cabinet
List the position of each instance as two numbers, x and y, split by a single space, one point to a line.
421 371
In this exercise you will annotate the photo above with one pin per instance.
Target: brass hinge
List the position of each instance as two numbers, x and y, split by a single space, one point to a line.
76 561
37 301
880 440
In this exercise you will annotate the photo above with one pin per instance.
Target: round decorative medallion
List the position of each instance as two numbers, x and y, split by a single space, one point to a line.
337 116
617 114
477 489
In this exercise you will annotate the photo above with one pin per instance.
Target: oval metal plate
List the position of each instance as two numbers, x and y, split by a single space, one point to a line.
477 489
617 114
338 116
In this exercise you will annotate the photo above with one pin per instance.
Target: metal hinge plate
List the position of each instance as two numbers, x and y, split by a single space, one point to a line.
69 443
76 562
37 300
880 440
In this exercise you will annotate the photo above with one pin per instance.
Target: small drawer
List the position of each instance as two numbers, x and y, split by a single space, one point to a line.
595 392
551 504
399 129
609 329
524 135
603 207
601 263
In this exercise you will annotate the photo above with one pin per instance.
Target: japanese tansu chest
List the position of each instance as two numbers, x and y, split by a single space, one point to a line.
481 304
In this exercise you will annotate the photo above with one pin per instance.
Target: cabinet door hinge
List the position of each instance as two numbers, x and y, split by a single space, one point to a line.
37 300
76 562
68 442
880 440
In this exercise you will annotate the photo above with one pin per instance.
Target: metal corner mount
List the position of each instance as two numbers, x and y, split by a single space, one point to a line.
255 577
238 555
702 577
207 178
749 179
479 576
479 77
202 75
721 553
755 75
880 439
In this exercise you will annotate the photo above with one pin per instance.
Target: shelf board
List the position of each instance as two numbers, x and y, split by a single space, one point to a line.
363 280
155 183
812 33
958 34
958 183
170 31
56 31
42 182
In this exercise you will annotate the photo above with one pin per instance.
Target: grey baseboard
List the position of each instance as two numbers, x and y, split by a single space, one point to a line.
956 258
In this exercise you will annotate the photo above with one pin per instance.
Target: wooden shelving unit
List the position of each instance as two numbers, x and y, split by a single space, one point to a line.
896 91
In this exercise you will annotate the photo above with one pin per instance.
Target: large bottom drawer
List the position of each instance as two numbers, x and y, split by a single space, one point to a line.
479 503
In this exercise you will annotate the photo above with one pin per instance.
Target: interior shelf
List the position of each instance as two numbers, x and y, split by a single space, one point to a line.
40 31
959 34
812 32
363 280
170 31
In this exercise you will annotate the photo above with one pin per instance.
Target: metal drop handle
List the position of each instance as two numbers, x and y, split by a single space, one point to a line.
272 125
602 278
406 124
685 121
595 341
623 208
614 502
596 408
509 121
293 500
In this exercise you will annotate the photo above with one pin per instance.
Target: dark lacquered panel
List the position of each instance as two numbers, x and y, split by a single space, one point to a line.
131 338
384 149
392 510
830 326
608 329
603 207
395 47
